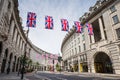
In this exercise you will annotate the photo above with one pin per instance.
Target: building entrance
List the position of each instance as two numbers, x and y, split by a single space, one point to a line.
102 63
83 67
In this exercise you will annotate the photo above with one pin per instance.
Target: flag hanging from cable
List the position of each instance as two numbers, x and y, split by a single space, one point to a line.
48 22
46 56
65 25
78 27
90 28
31 19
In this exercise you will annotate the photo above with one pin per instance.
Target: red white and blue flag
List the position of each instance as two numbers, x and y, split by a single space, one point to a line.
31 19
78 27
43 56
90 28
65 25
46 56
48 22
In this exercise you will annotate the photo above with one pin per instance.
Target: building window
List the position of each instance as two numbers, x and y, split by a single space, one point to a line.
9 5
118 33
83 37
79 49
84 46
112 9
78 40
90 39
75 42
75 51
115 19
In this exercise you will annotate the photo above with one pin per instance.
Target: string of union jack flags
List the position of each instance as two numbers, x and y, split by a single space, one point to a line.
31 22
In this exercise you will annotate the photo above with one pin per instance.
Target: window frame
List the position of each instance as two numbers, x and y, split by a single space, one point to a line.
118 33
112 8
115 19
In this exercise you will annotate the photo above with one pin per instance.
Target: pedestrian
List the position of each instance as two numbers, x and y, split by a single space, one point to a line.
35 70
8 70
22 73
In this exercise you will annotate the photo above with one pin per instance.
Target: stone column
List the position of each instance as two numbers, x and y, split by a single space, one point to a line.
79 64
89 67
101 29
68 64
92 38
92 67
72 63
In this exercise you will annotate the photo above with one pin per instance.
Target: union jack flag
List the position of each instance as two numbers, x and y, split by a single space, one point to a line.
37 56
51 56
48 22
31 19
90 28
78 27
43 56
46 56
65 25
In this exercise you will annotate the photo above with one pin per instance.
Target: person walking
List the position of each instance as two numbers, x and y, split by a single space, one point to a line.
22 73
8 70
35 70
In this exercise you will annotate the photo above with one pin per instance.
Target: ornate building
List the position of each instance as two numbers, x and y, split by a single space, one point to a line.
100 52
14 41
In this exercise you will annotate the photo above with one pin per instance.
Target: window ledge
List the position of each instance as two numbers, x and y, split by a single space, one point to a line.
113 12
116 23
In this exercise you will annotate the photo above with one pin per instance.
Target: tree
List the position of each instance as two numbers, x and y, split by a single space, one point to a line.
58 67
30 62
37 64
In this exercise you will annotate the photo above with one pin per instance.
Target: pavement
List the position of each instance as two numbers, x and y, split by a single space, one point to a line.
11 76
14 76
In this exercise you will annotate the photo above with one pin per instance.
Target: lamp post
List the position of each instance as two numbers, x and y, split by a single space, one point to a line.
59 60
53 65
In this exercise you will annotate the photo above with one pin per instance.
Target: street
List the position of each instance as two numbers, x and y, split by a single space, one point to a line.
46 75
65 76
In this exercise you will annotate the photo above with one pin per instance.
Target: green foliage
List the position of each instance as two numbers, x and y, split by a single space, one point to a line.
58 67
37 64
30 61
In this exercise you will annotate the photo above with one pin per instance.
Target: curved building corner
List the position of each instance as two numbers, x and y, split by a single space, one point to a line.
100 52
14 43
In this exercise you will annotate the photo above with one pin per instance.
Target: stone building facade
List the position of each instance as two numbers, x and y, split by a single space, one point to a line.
100 52
13 39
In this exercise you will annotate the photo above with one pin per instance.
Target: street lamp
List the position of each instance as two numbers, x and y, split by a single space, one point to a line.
53 65
59 60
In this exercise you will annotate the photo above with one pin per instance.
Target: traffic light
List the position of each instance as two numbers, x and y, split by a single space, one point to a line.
59 58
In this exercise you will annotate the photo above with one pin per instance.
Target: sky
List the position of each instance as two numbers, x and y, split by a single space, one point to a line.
51 40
